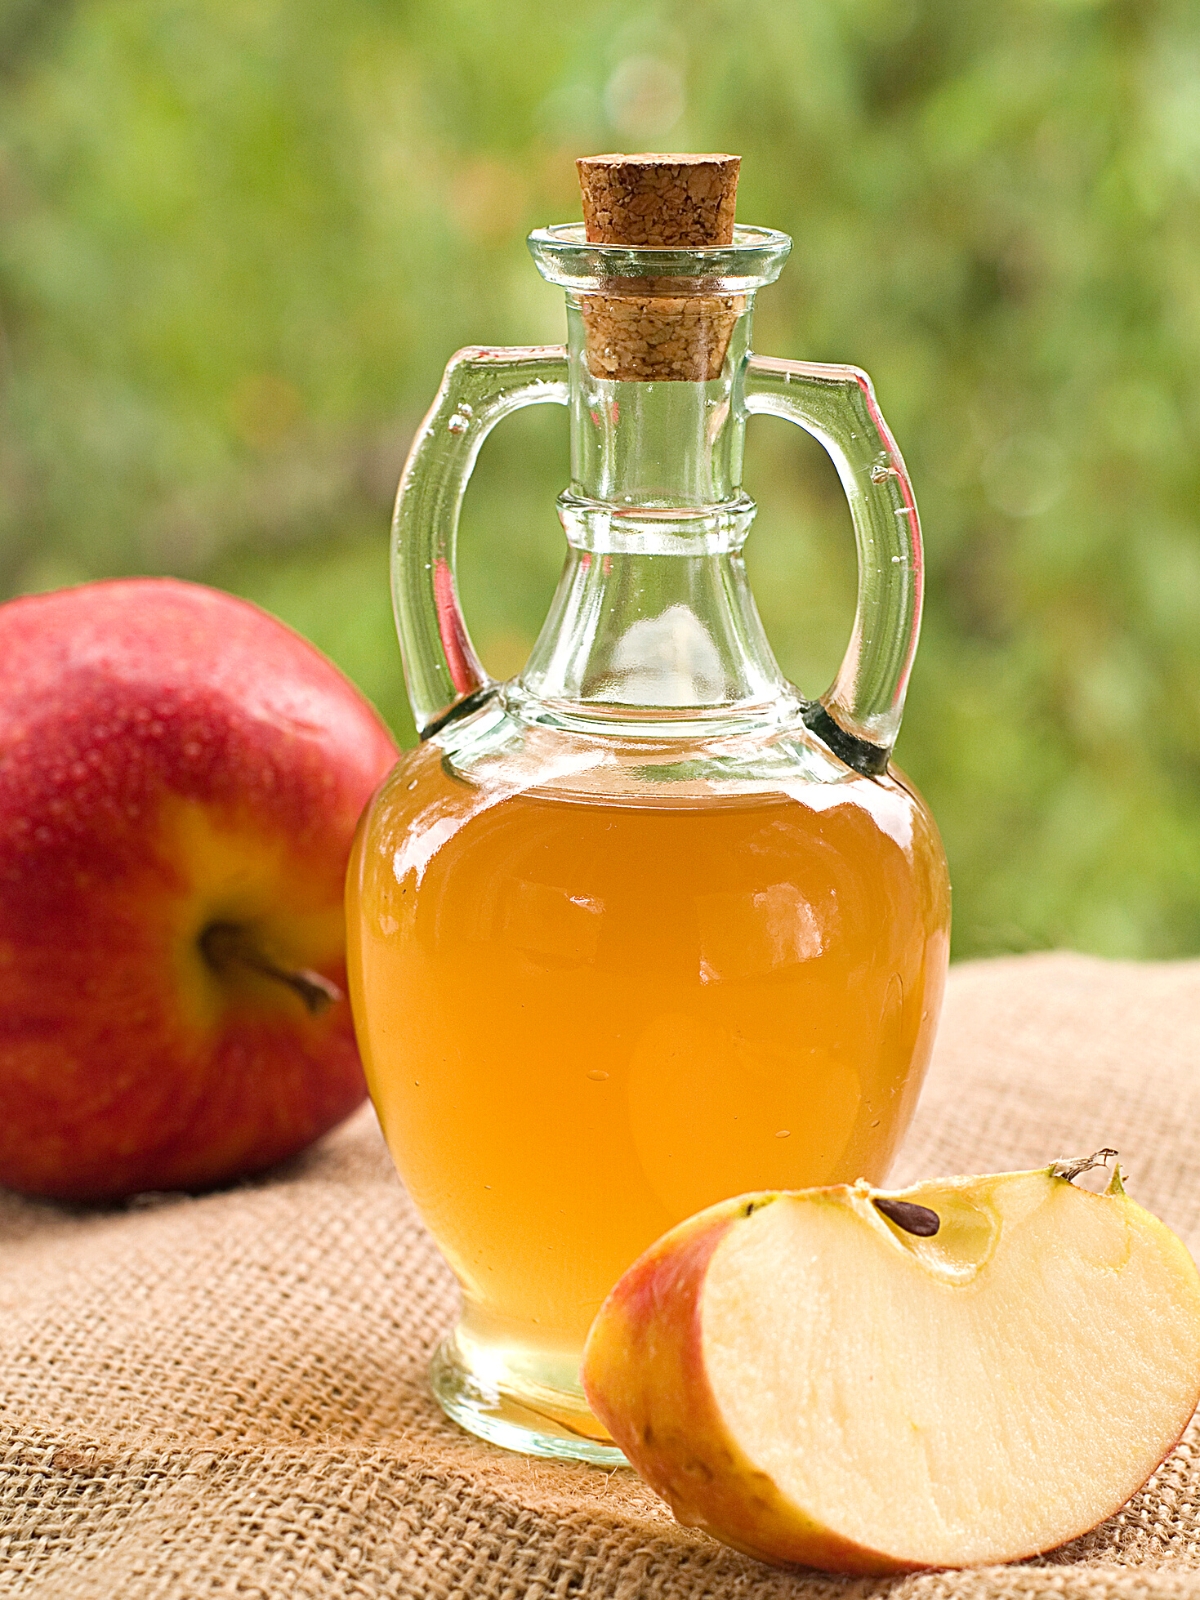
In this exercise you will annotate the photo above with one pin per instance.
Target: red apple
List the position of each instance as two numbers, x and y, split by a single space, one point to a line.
180 779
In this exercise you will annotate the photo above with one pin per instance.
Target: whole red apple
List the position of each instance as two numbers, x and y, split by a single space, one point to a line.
180 779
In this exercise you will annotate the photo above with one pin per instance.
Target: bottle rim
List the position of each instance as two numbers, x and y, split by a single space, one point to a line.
564 256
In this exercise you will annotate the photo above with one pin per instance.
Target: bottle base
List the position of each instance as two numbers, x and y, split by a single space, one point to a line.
533 1424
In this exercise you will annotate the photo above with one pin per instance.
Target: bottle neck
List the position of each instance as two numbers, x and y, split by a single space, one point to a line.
653 623
663 445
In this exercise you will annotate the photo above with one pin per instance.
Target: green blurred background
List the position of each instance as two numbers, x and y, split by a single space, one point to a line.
239 239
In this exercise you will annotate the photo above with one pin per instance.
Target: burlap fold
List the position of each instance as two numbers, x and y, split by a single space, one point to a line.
226 1396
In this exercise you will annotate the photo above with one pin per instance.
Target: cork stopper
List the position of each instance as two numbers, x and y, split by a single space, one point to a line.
672 201
679 200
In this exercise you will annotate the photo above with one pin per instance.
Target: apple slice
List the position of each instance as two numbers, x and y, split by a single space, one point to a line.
972 1370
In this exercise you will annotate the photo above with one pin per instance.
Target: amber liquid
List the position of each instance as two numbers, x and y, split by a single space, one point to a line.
584 1022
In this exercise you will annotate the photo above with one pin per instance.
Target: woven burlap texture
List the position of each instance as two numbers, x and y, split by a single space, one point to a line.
226 1395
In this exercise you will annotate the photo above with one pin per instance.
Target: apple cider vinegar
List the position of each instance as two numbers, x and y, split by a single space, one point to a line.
583 1022
643 928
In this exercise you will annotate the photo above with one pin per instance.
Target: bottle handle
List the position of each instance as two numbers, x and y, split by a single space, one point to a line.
480 387
859 715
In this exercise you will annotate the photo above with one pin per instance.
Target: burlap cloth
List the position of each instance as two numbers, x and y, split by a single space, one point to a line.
226 1396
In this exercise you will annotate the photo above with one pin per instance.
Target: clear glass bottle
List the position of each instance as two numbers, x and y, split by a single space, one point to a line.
642 928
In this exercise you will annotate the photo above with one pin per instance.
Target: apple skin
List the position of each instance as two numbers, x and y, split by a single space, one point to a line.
643 1374
170 758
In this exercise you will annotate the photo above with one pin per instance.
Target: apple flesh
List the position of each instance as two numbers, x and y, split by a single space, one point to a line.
180 779
814 1381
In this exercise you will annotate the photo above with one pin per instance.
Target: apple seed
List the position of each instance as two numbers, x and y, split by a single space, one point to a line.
912 1218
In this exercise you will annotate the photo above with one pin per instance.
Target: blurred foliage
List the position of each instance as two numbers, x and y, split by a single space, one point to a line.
239 239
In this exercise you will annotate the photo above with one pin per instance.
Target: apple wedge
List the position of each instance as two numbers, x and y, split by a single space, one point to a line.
969 1371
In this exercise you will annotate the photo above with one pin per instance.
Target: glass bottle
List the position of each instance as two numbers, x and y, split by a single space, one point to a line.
642 928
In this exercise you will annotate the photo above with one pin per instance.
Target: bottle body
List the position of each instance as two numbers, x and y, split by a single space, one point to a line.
593 1003
644 928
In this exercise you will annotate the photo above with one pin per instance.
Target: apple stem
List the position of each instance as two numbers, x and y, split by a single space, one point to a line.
227 944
